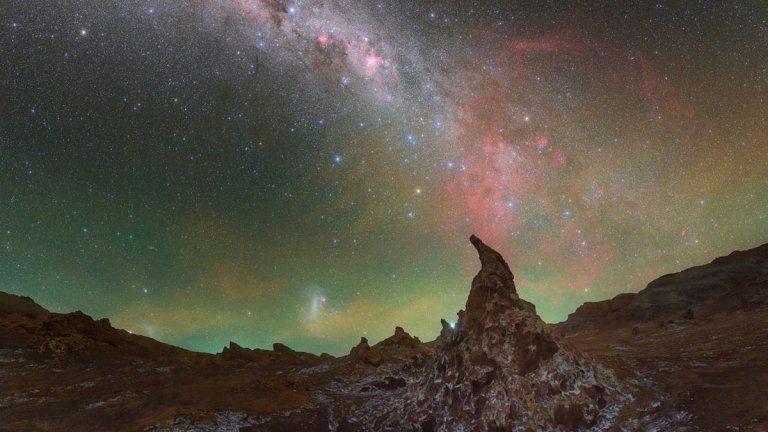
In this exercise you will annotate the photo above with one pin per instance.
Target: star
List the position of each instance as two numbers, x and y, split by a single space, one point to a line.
246 157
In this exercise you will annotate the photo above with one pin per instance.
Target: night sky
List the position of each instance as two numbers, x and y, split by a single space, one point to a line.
202 171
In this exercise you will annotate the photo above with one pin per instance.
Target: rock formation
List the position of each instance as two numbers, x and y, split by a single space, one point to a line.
736 281
707 284
281 355
499 369
401 338
403 347
25 306
589 313
26 324
364 353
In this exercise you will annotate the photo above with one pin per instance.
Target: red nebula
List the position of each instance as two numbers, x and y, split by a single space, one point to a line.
540 140
372 63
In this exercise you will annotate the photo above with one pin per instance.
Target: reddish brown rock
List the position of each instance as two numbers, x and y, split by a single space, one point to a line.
496 367
738 281
281 355
708 284
282 348
399 341
237 353
11 304
364 353
590 313
401 347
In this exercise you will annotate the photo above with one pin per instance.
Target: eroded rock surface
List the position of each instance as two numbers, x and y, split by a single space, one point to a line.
364 353
496 368
591 313
499 369
281 355
738 281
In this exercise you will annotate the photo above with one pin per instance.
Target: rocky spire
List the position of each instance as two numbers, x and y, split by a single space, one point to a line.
493 264
496 321
498 368
493 288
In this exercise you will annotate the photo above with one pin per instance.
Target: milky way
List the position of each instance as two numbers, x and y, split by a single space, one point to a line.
309 172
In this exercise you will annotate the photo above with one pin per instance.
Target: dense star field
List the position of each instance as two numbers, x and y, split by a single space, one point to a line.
309 172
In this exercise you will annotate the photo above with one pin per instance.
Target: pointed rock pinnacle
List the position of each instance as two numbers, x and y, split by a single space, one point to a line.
493 285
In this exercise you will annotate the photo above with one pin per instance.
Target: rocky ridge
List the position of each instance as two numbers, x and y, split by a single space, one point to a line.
25 324
281 355
497 368
737 281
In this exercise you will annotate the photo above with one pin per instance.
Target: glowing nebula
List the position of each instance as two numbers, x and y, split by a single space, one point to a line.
309 171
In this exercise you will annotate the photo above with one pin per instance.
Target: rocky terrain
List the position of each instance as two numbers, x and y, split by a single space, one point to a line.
738 281
688 353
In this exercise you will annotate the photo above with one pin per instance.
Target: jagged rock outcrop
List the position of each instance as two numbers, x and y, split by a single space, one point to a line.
589 313
12 304
281 355
25 324
403 351
498 369
74 333
235 352
738 281
401 338
740 278
364 353
402 347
